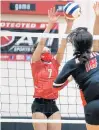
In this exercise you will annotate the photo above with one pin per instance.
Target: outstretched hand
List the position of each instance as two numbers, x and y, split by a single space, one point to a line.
96 8
53 15
68 21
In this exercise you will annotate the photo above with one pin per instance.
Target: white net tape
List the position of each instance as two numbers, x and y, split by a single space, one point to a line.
43 121
44 35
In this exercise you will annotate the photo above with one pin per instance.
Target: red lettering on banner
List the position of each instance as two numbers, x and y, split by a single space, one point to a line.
23 25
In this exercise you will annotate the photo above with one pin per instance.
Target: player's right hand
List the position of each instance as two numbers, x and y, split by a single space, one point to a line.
53 15
96 8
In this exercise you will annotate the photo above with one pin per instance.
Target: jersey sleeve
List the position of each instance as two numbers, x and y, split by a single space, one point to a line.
59 88
63 75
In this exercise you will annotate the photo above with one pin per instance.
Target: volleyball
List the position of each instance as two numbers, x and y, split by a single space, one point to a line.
72 10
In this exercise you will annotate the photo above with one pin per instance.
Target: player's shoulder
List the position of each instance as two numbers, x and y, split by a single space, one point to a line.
55 62
94 54
72 61
36 63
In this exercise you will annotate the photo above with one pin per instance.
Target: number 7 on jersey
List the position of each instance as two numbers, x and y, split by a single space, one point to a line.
50 73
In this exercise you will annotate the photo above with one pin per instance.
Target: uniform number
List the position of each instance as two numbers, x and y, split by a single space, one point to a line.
50 73
91 64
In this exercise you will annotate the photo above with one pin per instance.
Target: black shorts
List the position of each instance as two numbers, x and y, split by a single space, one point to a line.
45 106
92 112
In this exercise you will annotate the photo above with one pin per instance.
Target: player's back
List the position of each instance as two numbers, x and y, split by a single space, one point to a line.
87 76
86 72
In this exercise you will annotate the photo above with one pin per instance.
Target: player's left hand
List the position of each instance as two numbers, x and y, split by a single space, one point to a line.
96 8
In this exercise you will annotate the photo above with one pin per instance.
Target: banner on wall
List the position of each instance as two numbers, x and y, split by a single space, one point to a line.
31 7
21 47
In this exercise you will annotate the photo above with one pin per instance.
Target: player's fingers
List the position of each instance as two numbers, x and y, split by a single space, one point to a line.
98 4
56 13
94 6
53 10
58 17
64 15
48 13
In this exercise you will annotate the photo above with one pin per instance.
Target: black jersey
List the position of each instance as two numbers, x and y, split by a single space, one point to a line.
86 75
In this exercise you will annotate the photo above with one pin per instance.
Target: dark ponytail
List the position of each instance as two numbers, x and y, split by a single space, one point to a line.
83 58
82 41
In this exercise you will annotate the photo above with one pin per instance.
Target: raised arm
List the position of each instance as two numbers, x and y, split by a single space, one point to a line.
96 26
52 19
61 50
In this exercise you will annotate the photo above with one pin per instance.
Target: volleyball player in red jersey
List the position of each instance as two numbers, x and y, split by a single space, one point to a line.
44 71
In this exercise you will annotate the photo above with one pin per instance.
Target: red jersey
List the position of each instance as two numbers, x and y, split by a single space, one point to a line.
44 75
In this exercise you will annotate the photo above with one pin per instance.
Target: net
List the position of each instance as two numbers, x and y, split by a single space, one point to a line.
17 91
17 87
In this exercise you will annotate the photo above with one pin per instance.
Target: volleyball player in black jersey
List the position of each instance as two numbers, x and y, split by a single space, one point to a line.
84 68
